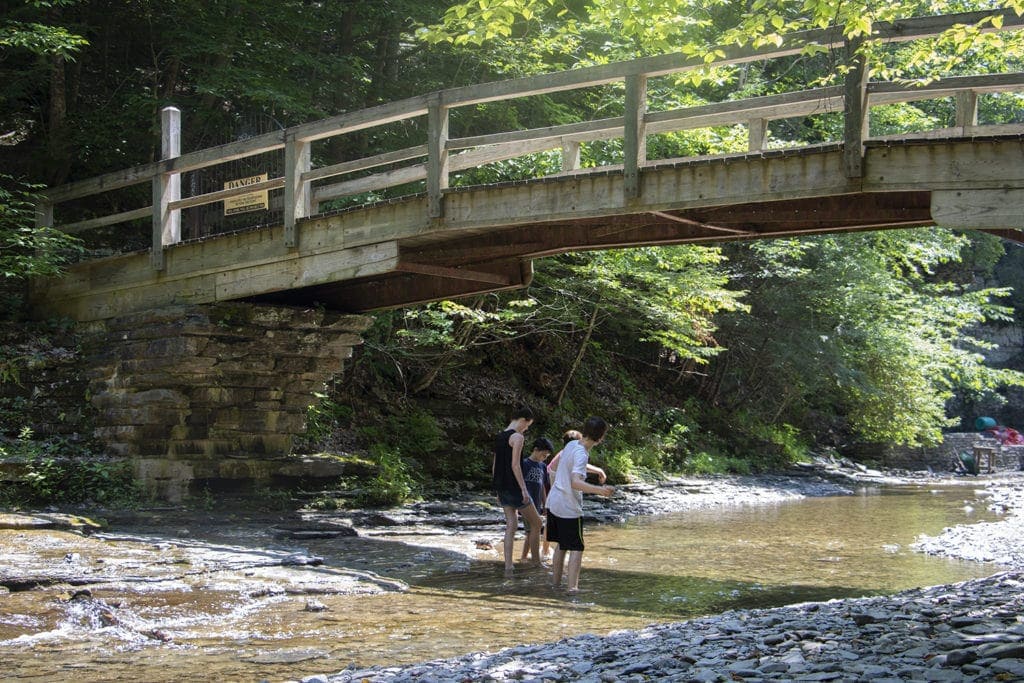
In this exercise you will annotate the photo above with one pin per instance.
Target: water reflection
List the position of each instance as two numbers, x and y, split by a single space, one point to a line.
653 569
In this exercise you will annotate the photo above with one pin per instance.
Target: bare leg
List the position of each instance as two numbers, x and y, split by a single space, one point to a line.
572 574
526 544
532 543
511 525
557 564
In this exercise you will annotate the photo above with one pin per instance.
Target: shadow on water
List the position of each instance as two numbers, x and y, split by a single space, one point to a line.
227 612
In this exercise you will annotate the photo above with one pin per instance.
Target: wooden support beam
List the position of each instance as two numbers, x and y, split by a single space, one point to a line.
698 224
452 273
437 156
166 189
44 215
570 155
855 123
966 110
297 193
979 208
1011 235
757 134
634 140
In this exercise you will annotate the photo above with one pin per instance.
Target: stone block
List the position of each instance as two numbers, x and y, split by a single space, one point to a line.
164 479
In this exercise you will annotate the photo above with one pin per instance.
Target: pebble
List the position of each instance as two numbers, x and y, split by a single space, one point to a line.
969 632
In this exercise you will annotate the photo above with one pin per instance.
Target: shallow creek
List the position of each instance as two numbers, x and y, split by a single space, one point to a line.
214 602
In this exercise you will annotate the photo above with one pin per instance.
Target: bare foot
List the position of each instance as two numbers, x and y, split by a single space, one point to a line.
509 572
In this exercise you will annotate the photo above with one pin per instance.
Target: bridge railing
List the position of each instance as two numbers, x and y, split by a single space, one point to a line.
305 187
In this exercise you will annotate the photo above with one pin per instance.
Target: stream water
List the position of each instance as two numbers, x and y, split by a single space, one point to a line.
662 568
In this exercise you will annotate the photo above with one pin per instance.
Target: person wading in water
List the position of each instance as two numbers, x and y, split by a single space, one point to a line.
510 486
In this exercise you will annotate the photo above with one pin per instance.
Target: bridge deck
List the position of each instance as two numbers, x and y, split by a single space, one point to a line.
391 254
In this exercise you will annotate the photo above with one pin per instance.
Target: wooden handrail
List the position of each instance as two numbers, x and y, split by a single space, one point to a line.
439 150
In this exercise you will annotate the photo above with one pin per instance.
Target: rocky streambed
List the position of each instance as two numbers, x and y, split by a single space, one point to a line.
278 597
969 631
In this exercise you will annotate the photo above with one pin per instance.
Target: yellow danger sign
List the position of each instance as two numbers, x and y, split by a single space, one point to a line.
250 201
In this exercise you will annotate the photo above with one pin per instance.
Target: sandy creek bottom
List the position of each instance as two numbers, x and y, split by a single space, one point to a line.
651 569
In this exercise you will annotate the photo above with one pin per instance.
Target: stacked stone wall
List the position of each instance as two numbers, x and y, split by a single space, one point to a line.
214 392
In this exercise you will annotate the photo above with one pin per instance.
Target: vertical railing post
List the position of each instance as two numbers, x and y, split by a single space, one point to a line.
967 110
297 196
44 214
855 124
570 155
167 188
634 143
757 133
437 155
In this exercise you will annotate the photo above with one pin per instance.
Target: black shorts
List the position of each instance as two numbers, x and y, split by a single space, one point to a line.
567 532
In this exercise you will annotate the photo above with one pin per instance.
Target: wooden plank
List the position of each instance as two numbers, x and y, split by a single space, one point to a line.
452 273
378 181
186 162
585 130
113 219
782 106
366 163
352 121
974 209
306 270
964 164
488 155
185 284
221 195
703 226
954 132
888 92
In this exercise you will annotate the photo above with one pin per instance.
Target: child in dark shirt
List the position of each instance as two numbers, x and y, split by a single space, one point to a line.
535 474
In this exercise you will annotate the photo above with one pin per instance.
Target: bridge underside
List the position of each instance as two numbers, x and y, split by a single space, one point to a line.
469 265
393 254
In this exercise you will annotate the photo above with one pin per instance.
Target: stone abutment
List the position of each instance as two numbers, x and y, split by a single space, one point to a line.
213 394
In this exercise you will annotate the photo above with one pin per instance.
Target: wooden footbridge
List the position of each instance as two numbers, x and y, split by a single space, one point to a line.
448 242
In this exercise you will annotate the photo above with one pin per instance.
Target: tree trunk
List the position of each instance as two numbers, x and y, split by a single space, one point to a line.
57 147
579 354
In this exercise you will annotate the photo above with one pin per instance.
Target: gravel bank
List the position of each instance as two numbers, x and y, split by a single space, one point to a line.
972 631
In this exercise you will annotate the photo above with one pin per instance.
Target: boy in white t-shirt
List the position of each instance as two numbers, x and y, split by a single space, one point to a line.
565 502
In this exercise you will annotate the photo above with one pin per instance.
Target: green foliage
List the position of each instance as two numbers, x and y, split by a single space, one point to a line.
393 484
56 471
324 416
857 327
37 38
25 250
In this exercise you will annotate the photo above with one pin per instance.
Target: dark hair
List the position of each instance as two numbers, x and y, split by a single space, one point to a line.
522 411
543 444
594 428
570 435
